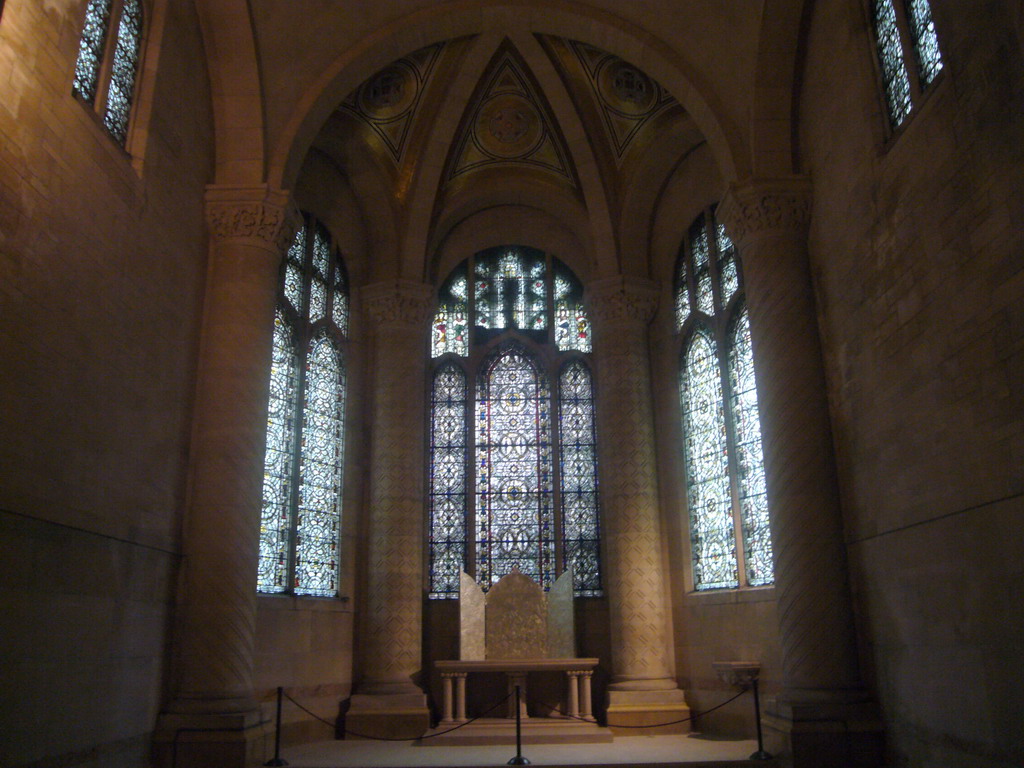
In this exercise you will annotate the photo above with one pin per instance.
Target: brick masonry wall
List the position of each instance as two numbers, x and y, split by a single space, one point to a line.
916 248
102 263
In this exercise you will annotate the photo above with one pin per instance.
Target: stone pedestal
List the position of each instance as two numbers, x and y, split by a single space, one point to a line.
642 691
823 701
388 702
213 719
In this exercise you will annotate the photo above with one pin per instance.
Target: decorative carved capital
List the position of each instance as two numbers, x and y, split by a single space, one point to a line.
257 216
759 207
399 303
621 300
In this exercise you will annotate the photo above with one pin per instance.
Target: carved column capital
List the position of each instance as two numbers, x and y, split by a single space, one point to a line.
622 300
761 207
257 216
398 303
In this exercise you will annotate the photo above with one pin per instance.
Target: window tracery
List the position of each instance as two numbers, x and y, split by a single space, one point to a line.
304 460
730 542
532 464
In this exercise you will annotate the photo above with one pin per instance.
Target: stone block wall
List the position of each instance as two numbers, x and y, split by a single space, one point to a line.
917 251
102 264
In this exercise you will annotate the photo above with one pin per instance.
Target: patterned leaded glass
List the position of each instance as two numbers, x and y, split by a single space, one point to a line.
449 455
712 535
682 291
729 281
123 72
90 49
294 262
339 303
757 542
514 516
317 524
890 56
305 426
275 520
926 42
511 290
701 258
577 442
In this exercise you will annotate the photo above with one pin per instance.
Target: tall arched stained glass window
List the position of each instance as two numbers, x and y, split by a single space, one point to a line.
523 493
908 53
730 542
107 66
304 461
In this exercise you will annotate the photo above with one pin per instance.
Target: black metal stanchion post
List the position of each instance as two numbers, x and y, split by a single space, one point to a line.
760 754
518 759
278 760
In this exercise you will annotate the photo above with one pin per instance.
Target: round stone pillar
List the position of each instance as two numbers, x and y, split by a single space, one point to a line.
768 222
388 701
642 691
214 640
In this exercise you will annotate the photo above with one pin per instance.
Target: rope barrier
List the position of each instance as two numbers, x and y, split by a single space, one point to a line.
692 716
390 738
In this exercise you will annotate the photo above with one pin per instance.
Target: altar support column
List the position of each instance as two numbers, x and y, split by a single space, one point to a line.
823 717
213 718
642 691
387 701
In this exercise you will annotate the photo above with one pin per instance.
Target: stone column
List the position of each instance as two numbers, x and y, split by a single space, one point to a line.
214 638
768 222
388 701
642 691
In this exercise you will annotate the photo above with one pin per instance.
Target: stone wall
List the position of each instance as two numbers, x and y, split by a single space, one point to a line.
916 246
102 263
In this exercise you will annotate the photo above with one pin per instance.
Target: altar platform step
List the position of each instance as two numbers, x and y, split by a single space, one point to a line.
536 730
668 751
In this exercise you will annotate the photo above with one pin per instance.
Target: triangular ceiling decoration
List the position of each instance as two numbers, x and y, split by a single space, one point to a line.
386 103
627 97
508 122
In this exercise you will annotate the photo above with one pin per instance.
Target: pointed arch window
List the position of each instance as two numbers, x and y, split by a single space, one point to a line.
909 59
107 66
730 543
513 460
304 460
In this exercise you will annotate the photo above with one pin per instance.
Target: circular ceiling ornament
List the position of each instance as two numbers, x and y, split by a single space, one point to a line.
626 88
388 93
508 126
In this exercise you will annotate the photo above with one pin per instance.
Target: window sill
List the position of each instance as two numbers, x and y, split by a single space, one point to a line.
284 602
734 596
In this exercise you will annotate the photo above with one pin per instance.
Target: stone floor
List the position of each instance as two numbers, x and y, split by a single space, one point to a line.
691 751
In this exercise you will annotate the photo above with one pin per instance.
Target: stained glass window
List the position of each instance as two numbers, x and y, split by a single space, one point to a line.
926 42
449 455
908 53
304 461
110 87
577 440
514 494
90 49
730 541
493 502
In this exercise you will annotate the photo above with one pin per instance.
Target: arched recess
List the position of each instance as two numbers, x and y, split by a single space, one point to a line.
423 222
776 86
446 20
511 224
235 91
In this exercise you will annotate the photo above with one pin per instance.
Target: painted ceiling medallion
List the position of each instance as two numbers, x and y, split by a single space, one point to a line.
387 102
508 123
628 99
